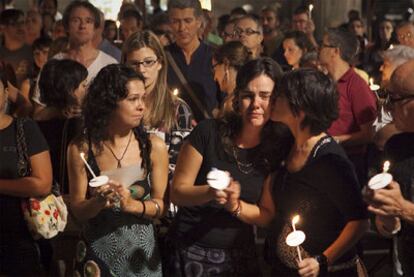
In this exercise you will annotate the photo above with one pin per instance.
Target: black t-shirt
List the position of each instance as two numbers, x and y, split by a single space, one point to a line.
54 131
11 217
324 193
399 150
211 225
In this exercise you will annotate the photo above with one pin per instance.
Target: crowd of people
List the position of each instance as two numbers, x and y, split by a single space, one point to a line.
159 102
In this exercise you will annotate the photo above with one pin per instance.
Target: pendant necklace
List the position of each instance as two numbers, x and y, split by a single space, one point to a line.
123 154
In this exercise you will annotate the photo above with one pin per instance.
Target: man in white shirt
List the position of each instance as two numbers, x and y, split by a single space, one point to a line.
81 19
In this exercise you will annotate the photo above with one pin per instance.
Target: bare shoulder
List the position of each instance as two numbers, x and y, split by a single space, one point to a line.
157 143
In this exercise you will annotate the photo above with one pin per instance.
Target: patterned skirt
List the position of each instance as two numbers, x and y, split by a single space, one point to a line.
200 261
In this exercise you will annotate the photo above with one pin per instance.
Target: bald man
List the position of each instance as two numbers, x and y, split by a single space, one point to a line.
393 205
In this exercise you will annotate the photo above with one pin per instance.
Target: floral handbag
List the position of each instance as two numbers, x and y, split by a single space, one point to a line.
45 217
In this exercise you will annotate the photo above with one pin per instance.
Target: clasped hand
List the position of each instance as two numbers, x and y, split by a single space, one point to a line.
229 197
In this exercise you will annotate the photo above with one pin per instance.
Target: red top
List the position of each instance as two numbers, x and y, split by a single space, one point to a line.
357 104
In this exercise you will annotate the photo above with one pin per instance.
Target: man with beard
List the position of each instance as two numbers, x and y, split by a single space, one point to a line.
272 35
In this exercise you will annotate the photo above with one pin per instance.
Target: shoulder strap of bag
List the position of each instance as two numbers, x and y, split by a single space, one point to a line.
23 163
186 86
63 148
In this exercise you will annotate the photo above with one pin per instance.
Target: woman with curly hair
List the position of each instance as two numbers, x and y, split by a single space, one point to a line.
118 230
213 232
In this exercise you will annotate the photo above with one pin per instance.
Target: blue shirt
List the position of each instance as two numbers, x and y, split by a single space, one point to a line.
199 75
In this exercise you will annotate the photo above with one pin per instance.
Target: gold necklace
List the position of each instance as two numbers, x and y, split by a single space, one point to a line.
245 168
123 154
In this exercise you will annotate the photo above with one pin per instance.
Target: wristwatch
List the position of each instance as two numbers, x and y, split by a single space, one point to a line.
323 264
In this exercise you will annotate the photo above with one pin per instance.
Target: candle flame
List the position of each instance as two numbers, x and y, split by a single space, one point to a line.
82 154
175 92
386 167
295 219
310 8
118 23
391 47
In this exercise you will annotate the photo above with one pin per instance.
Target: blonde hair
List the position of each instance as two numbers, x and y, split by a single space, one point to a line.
160 103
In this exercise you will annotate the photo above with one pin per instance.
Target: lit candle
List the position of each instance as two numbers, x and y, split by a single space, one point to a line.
176 92
310 11
295 220
118 25
296 238
381 180
82 155
391 47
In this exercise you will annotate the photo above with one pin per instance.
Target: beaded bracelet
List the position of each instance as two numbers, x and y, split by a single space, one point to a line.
157 208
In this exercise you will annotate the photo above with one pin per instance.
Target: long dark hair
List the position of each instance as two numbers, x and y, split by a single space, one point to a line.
230 125
105 91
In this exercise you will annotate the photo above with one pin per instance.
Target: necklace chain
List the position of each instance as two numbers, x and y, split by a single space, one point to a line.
123 154
245 168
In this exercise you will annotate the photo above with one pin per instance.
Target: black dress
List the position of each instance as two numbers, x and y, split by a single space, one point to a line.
325 194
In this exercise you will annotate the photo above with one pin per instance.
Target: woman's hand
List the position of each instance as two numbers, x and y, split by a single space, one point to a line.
106 194
233 196
308 267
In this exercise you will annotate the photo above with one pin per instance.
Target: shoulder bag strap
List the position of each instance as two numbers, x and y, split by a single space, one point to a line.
23 163
63 148
186 86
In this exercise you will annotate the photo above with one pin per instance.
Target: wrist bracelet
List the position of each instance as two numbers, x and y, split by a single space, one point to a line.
157 208
237 211
323 264
143 209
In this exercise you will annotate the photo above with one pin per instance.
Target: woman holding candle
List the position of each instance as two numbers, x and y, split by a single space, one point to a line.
213 232
119 234
316 182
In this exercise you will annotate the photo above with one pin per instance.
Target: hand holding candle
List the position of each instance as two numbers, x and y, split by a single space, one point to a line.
296 238
381 180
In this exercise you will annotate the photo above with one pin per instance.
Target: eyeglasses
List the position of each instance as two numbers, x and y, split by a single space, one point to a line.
145 63
405 36
390 101
248 32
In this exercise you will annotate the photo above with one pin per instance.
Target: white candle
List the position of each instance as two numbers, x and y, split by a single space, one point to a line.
118 24
295 220
218 179
82 155
381 180
310 11
295 238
